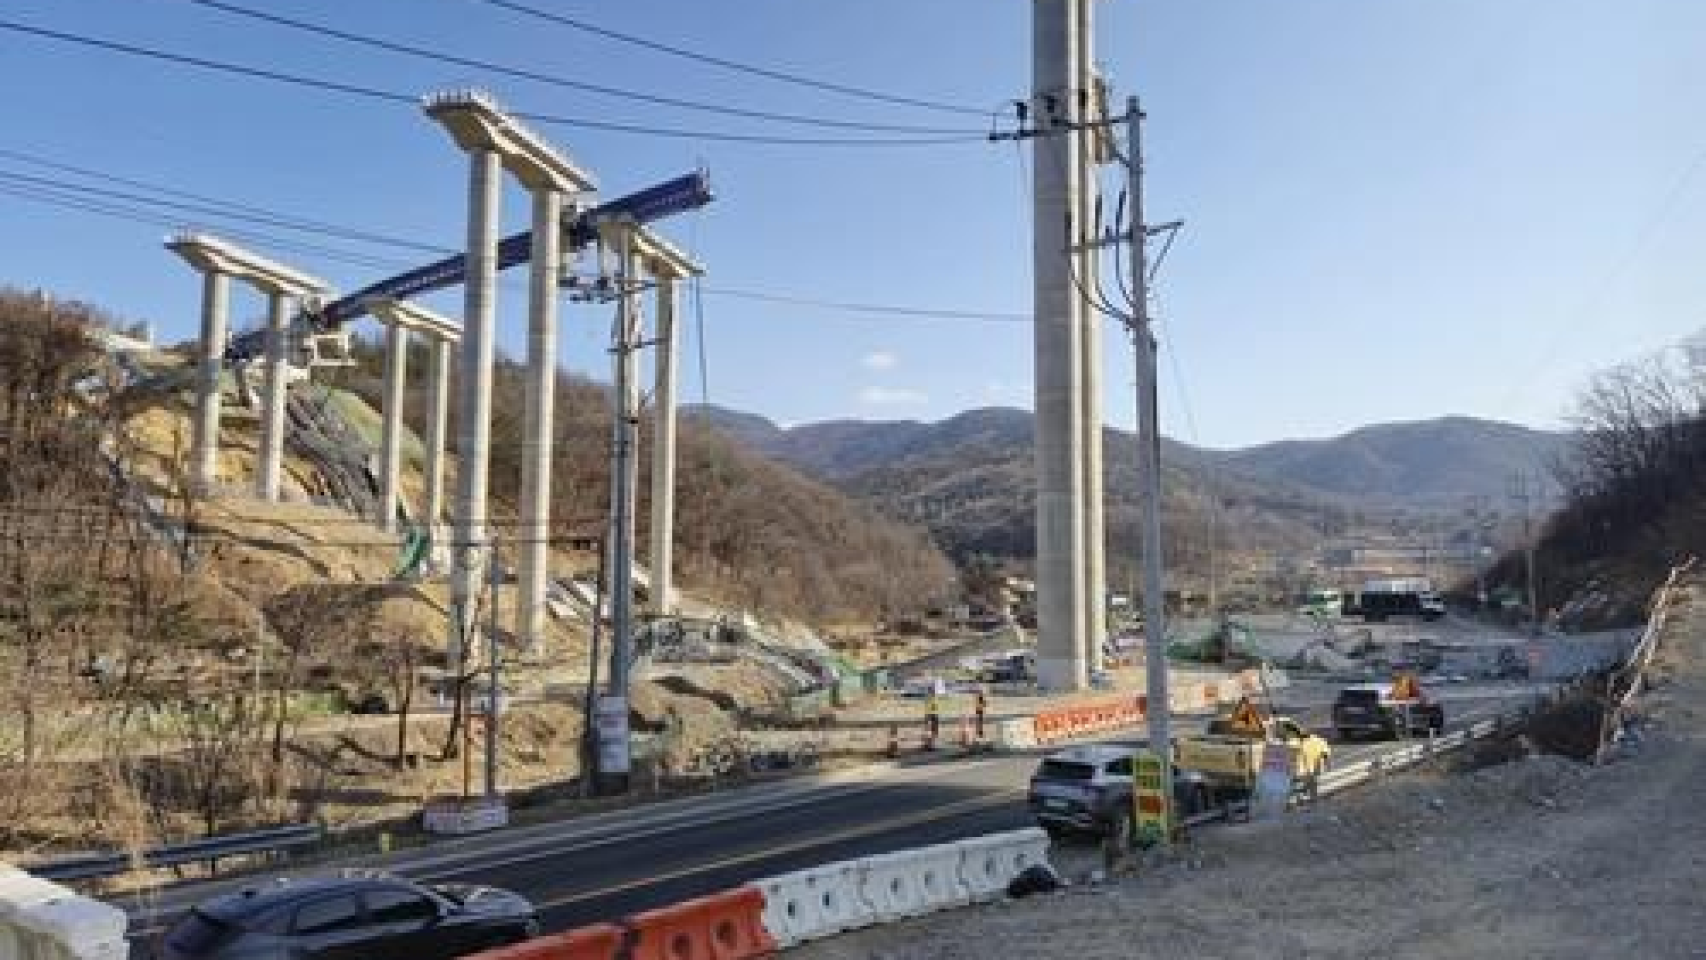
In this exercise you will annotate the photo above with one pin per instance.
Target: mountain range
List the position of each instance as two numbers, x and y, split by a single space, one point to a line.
971 478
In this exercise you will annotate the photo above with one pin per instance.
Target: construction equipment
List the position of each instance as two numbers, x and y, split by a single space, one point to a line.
316 336
1228 756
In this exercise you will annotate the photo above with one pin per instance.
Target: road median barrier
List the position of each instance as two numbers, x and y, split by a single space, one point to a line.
39 918
813 903
601 941
722 926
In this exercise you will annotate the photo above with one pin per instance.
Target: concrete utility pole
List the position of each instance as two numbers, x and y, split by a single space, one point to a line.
1061 568
1090 344
614 758
1148 463
1521 492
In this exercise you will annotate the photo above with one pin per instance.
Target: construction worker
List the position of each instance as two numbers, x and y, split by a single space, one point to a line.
932 721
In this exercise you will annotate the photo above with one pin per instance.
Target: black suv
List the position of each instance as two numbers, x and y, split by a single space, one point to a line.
351 918
1368 709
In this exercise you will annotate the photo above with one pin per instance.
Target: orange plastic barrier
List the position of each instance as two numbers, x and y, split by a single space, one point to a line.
723 926
601 941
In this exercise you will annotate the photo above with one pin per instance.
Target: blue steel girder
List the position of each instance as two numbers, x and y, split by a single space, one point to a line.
684 193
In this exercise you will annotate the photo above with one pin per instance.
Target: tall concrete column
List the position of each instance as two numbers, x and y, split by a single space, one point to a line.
437 422
479 312
1059 436
391 440
215 307
1090 355
663 449
540 430
273 400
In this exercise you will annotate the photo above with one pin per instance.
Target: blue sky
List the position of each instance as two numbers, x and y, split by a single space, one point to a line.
1395 210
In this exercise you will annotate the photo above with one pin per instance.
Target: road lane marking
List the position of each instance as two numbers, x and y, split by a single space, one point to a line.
894 823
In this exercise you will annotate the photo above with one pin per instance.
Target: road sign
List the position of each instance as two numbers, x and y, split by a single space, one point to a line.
1151 800
611 720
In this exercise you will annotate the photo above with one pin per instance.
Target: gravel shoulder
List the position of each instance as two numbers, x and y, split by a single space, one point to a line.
1538 857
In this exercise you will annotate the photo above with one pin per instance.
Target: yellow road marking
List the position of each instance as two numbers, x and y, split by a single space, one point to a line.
934 813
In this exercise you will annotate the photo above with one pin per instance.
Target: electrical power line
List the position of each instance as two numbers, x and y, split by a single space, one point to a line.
392 96
884 309
781 76
489 66
215 208
137 207
143 216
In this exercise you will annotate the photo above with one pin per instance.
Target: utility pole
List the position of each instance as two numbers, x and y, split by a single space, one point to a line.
1148 464
491 729
1523 495
614 751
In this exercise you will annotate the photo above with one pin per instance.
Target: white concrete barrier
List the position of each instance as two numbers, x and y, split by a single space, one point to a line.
1016 734
888 883
809 904
911 883
40 920
989 863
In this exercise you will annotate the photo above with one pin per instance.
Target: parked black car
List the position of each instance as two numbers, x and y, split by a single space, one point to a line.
351 918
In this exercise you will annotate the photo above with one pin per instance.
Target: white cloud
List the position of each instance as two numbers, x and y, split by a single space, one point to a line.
880 360
875 396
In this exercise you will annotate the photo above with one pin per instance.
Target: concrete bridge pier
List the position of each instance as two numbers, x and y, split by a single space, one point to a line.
668 266
220 261
494 141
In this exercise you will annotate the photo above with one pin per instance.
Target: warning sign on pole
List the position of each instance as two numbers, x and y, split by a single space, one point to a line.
1151 799
611 719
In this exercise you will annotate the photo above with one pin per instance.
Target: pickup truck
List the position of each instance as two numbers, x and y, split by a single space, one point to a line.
1229 756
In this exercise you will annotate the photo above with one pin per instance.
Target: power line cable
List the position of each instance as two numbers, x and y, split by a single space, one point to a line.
871 308
392 96
489 66
217 209
781 76
135 208
143 216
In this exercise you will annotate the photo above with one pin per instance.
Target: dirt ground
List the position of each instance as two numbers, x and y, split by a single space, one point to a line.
1538 857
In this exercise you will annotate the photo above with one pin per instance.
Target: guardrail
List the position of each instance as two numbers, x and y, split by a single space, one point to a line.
88 866
1629 677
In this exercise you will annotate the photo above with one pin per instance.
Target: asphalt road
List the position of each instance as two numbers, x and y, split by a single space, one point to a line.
606 866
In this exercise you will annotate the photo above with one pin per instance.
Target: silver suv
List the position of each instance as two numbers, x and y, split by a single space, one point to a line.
1087 788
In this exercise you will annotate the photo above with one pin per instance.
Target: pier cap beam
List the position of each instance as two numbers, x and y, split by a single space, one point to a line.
663 258
411 316
213 255
476 122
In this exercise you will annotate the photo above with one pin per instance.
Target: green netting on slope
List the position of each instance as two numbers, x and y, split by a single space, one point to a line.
1217 644
364 420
